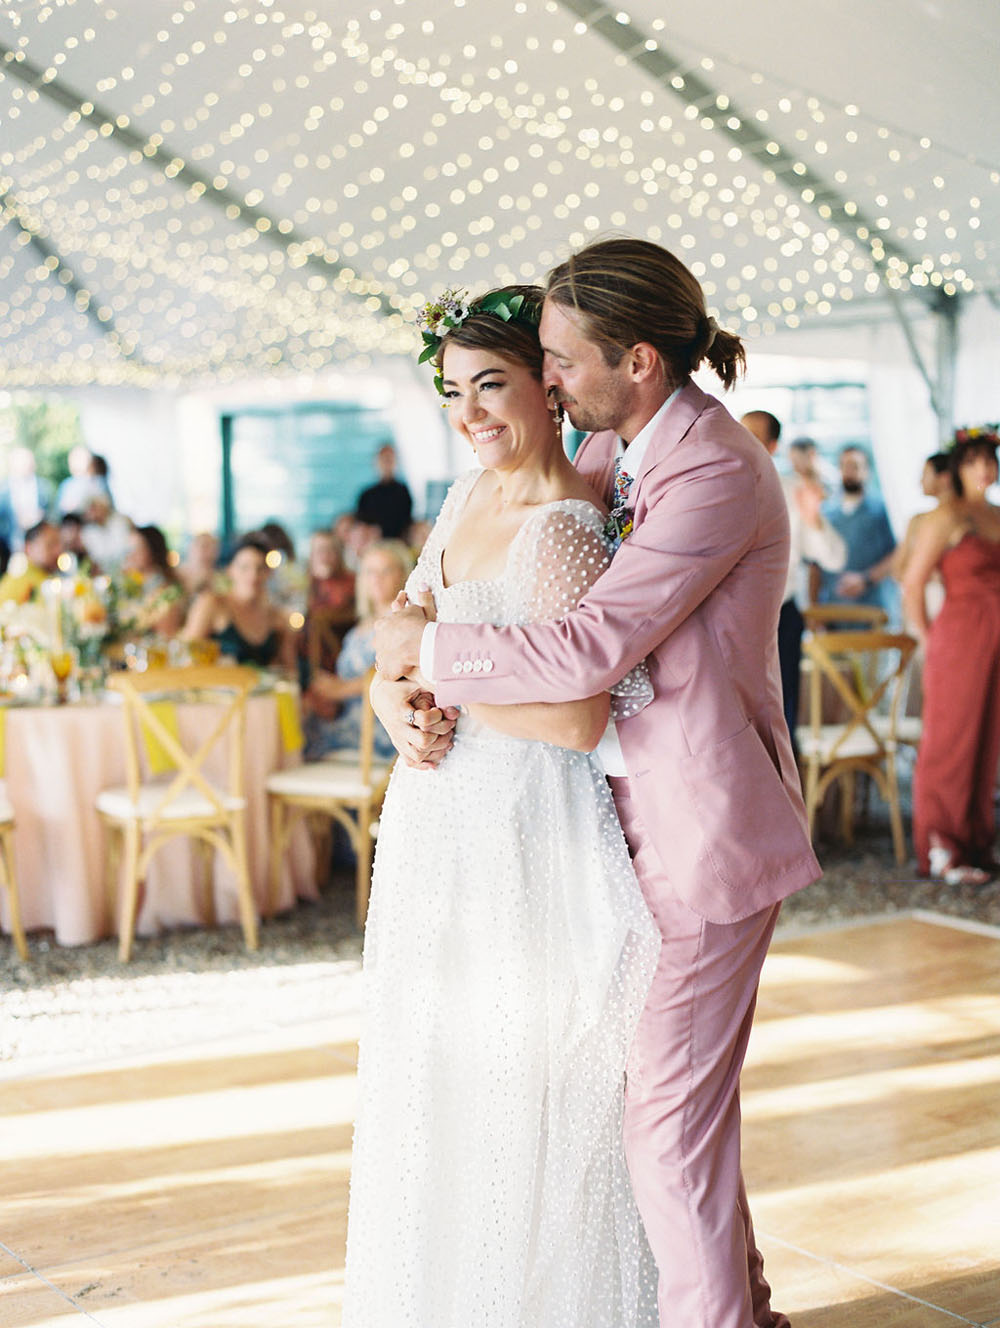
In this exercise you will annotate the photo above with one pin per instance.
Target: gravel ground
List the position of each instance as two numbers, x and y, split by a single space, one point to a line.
71 1006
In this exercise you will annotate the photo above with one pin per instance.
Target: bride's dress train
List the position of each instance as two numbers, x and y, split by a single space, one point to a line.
507 957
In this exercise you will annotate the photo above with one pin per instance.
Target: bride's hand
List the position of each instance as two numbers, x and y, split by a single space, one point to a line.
425 600
424 742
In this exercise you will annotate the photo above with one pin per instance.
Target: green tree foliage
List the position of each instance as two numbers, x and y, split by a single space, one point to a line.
48 426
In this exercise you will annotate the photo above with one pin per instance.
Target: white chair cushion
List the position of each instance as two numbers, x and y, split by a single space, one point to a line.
189 802
908 729
859 743
327 779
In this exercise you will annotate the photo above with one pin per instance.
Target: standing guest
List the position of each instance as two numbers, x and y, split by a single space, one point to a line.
813 540
936 483
38 561
704 778
81 485
953 811
200 567
24 500
334 700
149 557
100 474
107 533
248 625
863 523
387 504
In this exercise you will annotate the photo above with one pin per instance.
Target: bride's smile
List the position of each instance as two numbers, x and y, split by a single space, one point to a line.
498 406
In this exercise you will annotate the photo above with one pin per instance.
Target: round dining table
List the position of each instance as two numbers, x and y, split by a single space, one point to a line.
60 757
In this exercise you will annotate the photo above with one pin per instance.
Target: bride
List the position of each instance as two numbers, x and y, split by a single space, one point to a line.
508 949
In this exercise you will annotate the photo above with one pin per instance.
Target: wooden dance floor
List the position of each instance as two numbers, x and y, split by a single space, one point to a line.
208 1188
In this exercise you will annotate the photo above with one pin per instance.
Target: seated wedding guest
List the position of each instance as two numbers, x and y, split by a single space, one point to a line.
248 625
331 585
333 701
38 562
289 580
72 545
107 533
200 567
148 555
954 822
416 536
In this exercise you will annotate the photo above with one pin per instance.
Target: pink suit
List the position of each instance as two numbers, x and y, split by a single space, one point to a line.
711 809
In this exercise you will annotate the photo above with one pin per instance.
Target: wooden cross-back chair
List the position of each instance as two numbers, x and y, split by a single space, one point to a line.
349 787
325 631
866 673
144 814
861 617
8 875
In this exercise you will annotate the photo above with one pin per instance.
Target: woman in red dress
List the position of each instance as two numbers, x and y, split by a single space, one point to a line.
953 814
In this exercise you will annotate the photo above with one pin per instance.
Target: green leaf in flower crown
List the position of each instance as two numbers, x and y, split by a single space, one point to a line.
428 353
439 383
515 305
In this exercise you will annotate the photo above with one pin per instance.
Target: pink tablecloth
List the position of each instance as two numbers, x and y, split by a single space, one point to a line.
59 759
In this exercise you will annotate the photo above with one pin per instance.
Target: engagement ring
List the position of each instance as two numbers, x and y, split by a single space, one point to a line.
411 718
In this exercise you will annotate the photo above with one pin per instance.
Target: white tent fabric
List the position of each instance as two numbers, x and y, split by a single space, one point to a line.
198 197
218 189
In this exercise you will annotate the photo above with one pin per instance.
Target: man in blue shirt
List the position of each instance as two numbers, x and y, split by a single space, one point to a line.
863 524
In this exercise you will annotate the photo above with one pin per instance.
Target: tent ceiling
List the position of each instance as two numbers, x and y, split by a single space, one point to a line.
193 189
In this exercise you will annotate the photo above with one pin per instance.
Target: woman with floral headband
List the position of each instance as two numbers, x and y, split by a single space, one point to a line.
508 950
954 823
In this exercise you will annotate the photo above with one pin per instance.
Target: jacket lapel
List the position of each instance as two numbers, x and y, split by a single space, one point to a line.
680 415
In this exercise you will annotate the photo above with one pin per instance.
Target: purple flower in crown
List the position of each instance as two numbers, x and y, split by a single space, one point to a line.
449 310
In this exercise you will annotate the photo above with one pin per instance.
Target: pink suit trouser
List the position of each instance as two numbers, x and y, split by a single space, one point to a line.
682 1105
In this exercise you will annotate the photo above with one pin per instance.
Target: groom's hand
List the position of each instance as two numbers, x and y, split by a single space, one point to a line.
397 641
424 743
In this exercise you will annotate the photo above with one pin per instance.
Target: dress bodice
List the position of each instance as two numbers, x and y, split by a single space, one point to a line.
971 569
232 642
553 560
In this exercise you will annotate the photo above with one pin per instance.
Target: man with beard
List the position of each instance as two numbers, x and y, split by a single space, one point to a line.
863 524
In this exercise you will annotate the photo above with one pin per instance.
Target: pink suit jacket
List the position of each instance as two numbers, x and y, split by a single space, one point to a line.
696 589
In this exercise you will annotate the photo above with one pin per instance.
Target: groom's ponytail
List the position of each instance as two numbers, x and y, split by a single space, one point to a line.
626 291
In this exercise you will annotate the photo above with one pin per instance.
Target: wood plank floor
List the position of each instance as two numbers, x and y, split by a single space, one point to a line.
208 1188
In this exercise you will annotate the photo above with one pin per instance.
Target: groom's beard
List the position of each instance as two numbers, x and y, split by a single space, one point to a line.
605 410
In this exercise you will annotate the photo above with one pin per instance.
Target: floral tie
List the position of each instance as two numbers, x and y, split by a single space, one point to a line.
618 524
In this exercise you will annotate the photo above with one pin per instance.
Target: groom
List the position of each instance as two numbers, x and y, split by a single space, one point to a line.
703 778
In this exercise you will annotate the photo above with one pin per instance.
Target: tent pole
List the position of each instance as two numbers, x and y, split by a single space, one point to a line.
946 320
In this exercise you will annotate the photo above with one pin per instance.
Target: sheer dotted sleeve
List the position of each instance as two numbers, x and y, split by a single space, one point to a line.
556 558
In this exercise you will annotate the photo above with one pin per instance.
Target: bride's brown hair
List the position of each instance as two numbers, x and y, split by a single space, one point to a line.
515 338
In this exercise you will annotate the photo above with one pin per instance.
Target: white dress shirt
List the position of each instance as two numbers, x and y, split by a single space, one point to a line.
816 544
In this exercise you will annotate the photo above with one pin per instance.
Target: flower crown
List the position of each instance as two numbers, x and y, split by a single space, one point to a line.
450 310
988 433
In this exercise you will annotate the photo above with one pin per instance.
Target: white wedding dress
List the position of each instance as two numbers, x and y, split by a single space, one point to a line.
508 953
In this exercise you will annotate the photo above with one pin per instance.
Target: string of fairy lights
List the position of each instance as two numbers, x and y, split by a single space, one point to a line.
260 186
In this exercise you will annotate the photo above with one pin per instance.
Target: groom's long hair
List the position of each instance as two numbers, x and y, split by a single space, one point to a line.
626 291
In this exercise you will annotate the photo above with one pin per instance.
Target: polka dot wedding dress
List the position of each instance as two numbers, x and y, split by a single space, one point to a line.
507 957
